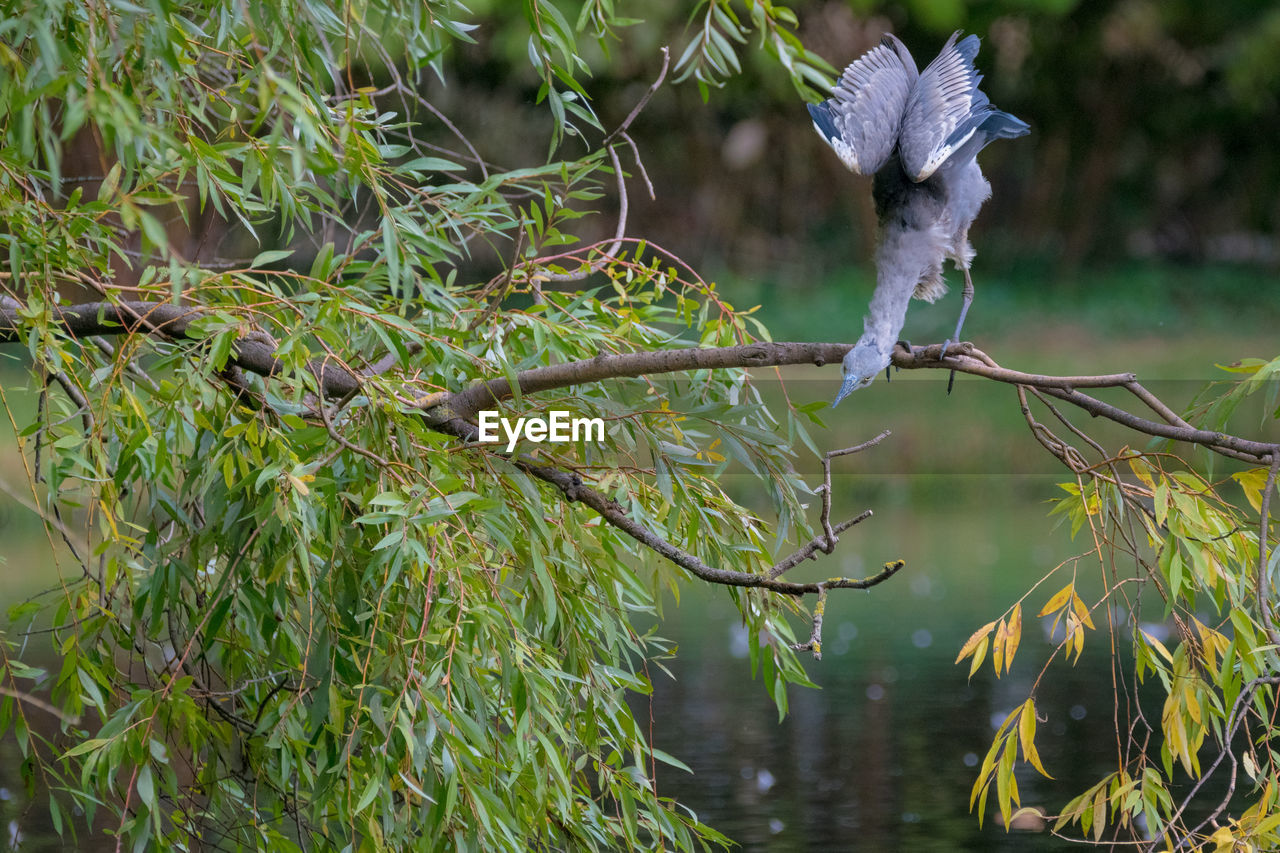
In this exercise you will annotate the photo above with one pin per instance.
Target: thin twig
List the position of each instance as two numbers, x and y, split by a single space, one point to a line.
499 286
623 202
830 534
644 100
824 543
27 698
815 636
575 490
966 358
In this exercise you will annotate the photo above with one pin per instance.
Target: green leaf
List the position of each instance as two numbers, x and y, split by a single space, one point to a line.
146 787
269 257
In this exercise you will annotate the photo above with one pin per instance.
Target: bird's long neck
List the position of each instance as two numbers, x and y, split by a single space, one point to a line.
901 261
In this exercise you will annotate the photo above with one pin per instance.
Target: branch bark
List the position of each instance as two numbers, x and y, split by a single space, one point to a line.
467 402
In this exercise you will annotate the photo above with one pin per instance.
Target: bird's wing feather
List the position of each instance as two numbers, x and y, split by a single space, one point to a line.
944 110
860 120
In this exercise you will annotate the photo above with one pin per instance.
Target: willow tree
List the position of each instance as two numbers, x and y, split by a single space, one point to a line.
265 286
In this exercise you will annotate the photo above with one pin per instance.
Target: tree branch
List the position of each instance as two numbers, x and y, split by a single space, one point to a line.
467 402
574 490
965 358
254 354
450 413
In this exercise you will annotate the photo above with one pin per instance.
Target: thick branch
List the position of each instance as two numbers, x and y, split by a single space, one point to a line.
173 321
257 356
466 403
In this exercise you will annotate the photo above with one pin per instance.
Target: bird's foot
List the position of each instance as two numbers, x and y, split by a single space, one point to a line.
951 380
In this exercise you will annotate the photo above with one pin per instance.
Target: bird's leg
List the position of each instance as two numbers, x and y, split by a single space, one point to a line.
966 299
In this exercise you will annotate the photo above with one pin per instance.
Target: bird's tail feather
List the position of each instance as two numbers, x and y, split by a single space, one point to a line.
1000 125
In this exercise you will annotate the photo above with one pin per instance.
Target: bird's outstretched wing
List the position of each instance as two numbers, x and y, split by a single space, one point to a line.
944 110
861 119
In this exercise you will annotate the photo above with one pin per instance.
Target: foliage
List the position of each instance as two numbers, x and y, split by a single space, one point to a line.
289 624
1164 536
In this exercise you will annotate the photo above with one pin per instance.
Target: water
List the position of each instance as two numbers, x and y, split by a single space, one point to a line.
884 755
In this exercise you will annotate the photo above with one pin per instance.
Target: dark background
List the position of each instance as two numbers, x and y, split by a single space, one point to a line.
1153 131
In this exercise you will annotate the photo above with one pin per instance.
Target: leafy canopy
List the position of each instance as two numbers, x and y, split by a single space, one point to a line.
290 623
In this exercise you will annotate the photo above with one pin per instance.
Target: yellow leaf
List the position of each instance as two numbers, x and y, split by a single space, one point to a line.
1157 645
299 485
1014 636
997 652
978 655
1006 784
1058 600
972 643
1075 636
983 781
1252 482
1027 736
1193 705
1081 609
1214 644
1175 734
1099 812
1142 470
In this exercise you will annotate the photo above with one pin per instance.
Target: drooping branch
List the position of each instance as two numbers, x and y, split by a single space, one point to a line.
1239 710
619 133
258 356
450 413
574 490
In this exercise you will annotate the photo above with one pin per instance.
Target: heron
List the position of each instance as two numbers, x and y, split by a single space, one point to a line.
919 134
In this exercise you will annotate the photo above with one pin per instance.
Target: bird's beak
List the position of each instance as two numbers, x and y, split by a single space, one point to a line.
851 382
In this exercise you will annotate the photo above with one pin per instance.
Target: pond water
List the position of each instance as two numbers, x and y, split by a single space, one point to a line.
883 755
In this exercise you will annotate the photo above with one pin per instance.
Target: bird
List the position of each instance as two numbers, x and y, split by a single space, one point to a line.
918 134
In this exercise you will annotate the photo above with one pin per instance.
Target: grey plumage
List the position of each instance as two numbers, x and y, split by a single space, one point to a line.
919 133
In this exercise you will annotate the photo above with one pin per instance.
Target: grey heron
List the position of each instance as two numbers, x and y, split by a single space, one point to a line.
919 134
